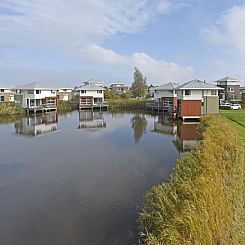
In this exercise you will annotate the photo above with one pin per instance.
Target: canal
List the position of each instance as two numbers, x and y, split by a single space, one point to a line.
80 178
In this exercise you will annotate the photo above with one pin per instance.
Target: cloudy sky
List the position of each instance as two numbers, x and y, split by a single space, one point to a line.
70 41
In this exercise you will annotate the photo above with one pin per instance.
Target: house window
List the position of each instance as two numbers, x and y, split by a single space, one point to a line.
99 91
83 91
188 92
2 98
52 91
38 91
168 102
231 89
97 100
31 102
2 90
30 91
86 101
213 92
51 101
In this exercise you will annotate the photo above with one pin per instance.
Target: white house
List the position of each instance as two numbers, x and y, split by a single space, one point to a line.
91 95
6 93
36 96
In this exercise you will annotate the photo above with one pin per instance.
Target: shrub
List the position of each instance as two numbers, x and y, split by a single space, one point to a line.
204 201
9 108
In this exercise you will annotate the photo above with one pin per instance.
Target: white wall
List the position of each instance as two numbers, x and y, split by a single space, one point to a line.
196 94
163 93
93 93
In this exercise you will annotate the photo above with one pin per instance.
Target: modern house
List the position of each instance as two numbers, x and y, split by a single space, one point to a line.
243 94
166 96
91 95
65 93
37 97
231 89
196 98
6 93
119 88
91 120
37 124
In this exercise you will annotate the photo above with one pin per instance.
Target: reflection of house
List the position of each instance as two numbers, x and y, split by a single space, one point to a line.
37 124
166 95
65 93
36 97
119 88
165 125
91 119
186 135
196 98
6 93
91 95
231 88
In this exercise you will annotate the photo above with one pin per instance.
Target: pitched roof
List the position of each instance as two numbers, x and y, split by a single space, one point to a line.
167 86
197 84
91 87
225 79
36 85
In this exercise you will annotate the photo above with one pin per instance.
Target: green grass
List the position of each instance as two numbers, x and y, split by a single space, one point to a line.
236 119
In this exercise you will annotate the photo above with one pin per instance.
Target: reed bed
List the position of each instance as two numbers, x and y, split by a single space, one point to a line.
203 203
9 108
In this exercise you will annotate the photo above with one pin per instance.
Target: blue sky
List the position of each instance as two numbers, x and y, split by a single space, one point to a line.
68 42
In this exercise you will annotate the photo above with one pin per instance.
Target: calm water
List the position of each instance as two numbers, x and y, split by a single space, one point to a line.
80 178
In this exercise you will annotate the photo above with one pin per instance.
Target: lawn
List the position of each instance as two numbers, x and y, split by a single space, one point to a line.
236 118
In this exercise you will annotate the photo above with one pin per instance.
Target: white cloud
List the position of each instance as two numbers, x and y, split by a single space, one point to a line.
157 71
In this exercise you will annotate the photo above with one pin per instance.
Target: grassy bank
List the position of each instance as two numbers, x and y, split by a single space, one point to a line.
237 120
9 108
131 104
203 203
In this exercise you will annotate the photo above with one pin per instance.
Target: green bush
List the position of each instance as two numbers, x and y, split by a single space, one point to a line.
222 107
67 106
204 201
9 108
127 104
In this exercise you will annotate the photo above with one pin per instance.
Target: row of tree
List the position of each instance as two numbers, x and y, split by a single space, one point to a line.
138 89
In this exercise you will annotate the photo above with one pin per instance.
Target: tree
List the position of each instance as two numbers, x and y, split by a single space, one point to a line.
139 84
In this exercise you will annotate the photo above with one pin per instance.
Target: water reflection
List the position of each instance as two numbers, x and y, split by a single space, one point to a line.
139 124
91 120
37 124
185 133
165 125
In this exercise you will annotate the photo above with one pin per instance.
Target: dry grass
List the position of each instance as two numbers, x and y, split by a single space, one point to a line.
204 201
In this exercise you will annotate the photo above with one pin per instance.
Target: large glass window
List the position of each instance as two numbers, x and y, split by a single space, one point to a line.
51 101
168 102
99 91
86 101
97 100
187 92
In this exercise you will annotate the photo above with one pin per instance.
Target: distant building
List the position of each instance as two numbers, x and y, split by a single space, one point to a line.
231 88
196 98
37 97
65 93
166 95
91 95
243 94
119 88
6 93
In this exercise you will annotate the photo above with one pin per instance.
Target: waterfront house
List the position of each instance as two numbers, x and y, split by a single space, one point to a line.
37 97
196 98
6 93
243 94
166 96
91 95
119 88
65 93
231 89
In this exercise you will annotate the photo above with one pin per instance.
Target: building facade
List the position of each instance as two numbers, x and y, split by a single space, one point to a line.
35 96
65 94
243 94
196 98
119 88
6 93
231 89
166 96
